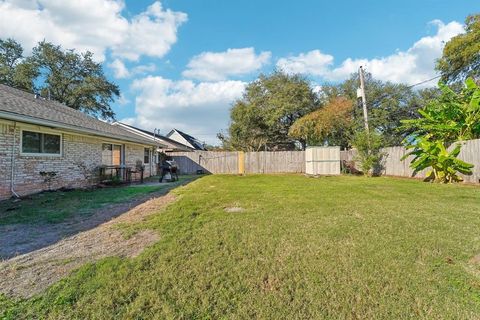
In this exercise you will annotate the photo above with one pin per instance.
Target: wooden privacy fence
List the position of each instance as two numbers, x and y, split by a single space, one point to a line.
393 166
275 162
228 162
294 161
206 161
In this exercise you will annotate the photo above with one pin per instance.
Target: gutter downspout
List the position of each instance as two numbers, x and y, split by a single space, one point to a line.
12 163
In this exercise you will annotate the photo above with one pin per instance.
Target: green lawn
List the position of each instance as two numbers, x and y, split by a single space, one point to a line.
55 207
335 248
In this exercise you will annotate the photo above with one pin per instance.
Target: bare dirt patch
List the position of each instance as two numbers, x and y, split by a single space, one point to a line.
475 260
31 273
234 209
270 283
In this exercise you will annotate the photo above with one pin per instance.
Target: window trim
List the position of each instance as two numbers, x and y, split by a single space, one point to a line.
28 154
149 155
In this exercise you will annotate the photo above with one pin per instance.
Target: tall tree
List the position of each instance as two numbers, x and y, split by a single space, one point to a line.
262 118
74 79
63 75
14 70
461 54
331 124
388 104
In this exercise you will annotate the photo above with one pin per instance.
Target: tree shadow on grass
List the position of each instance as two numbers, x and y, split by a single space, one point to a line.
20 237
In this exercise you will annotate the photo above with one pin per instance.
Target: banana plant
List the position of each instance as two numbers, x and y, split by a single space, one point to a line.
451 117
444 164
439 133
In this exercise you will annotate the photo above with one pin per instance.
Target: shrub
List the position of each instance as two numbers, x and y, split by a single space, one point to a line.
369 153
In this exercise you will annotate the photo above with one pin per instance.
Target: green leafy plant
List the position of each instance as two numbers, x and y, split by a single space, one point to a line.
443 163
437 135
369 152
451 117
115 181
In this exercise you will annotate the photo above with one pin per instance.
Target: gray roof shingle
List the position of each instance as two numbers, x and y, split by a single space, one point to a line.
192 140
14 102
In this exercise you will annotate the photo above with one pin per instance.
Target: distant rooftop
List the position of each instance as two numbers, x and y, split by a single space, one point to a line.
192 140
157 135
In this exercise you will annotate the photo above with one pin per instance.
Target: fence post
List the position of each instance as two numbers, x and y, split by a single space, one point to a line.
241 162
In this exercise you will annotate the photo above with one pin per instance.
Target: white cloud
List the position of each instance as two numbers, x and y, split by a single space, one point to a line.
94 25
198 108
411 66
151 33
313 62
144 68
120 71
215 66
123 100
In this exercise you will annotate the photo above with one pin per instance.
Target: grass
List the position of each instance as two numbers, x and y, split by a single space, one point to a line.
334 248
58 206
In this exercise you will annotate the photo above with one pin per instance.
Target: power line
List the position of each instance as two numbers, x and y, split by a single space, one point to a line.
389 95
378 102
204 134
424 81
385 96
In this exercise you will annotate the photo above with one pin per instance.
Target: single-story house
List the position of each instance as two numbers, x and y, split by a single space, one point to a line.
186 139
45 142
171 145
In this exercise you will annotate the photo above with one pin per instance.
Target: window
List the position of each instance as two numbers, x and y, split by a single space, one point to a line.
146 155
111 154
41 143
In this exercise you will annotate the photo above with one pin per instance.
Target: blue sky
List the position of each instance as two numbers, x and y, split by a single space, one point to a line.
182 63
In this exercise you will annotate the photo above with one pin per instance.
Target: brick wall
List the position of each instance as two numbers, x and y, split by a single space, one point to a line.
134 153
75 168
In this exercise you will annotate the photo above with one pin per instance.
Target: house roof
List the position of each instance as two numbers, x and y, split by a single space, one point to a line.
18 105
158 136
192 140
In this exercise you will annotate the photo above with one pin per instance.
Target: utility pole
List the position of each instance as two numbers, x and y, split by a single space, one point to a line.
362 95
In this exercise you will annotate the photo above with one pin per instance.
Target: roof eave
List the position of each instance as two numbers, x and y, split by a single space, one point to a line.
178 145
53 124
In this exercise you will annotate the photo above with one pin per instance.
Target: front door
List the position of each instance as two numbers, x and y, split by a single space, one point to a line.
116 155
112 158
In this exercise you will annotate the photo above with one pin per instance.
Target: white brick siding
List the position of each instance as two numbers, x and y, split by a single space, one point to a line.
75 168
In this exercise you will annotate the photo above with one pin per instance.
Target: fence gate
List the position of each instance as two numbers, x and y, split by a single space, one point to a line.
322 160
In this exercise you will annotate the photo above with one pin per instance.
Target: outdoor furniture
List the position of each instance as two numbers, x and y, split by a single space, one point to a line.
119 172
134 172
122 173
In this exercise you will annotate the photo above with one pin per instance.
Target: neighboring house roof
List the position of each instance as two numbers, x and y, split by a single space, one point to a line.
192 141
18 105
170 143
